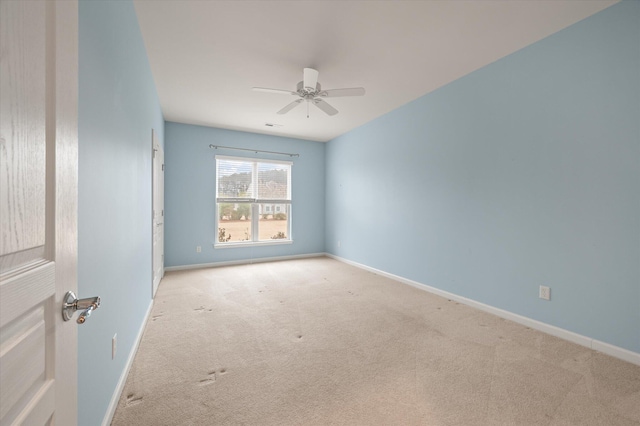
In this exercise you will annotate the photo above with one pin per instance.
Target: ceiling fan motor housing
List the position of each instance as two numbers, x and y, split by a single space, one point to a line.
306 93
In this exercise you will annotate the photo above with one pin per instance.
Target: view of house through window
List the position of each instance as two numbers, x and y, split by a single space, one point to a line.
253 199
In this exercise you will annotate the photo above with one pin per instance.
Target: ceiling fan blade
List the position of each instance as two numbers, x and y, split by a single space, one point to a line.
280 91
310 79
291 106
335 93
325 107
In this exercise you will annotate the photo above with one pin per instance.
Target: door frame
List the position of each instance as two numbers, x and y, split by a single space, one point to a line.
155 187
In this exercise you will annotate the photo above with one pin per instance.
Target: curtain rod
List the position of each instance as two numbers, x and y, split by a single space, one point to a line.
253 150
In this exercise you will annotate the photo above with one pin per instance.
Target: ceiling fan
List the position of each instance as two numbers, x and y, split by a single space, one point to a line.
310 90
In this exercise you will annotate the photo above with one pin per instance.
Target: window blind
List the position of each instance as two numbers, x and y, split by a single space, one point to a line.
242 180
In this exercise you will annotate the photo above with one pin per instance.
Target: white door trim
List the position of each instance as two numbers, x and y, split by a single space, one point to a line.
157 213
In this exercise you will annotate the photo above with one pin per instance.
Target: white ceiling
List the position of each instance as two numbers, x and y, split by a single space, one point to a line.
207 55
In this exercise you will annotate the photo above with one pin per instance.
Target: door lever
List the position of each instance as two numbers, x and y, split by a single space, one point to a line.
71 304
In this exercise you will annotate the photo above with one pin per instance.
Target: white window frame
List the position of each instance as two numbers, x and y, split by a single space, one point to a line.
255 206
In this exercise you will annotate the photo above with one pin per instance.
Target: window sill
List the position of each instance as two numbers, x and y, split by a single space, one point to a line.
250 244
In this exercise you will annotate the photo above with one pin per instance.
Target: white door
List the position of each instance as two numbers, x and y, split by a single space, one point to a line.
38 204
158 212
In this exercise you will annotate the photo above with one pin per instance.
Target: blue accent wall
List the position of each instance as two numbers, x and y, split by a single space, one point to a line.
523 173
118 107
190 188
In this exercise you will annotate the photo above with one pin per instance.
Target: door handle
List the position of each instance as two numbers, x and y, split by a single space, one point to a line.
71 304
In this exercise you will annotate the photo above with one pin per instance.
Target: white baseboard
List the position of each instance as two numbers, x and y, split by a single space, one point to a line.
125 372
606 348
242 262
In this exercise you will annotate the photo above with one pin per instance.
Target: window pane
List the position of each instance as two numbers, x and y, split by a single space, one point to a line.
273 181
234 222
273 223
252 187
234 179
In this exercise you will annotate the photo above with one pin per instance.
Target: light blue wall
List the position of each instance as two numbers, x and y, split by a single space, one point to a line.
190 187
523 173
118 106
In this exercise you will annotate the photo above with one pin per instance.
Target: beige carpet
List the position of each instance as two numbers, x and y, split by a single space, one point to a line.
318 342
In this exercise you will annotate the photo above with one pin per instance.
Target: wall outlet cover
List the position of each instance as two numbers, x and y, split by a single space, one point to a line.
545 293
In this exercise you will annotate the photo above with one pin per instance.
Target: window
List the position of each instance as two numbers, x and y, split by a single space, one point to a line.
253 201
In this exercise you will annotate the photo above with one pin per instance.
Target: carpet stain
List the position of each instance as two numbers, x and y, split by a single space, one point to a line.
201 308
208 380
133 400
223 370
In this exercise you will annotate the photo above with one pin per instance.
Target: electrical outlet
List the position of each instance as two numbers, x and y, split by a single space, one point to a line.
198 249
114 346
545 293
338 243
